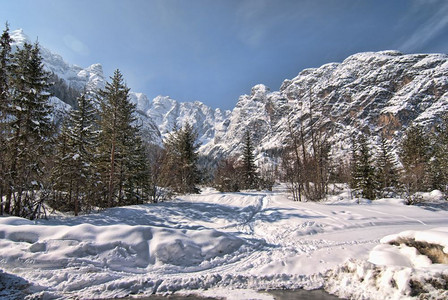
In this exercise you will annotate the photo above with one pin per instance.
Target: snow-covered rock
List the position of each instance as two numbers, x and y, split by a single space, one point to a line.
168 114
377 92
380 92
90 79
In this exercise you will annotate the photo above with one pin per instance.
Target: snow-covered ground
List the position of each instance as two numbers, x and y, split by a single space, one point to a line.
228 245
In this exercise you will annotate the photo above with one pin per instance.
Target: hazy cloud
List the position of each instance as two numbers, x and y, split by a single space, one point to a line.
252 21
429 30
76 45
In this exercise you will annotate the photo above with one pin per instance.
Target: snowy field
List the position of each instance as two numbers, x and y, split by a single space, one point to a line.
230 245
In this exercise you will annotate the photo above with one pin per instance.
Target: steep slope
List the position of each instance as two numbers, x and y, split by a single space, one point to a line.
88 79
376 92
168 114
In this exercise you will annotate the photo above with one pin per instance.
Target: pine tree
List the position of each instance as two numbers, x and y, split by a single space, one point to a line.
75 171
414 155
138 187
5 60
118 140
439 161
31 129
180 168
387 172
249 169
363 171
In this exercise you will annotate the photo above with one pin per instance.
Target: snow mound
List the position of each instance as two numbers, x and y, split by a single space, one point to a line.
115 247
358 279
402 266
412 248
183 249
227 241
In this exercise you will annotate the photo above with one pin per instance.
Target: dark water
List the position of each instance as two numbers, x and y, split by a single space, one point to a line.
302 294
277 294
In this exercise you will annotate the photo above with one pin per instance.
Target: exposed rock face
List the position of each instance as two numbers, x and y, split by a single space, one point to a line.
169 114
379 92
88 79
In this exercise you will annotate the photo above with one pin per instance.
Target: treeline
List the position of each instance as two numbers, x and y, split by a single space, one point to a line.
96 159
372 169
422 164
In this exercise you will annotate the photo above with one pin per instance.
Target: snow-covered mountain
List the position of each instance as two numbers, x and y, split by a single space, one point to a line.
380 92
168 113
88 79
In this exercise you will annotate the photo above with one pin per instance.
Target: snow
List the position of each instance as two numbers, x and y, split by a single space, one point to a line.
223 244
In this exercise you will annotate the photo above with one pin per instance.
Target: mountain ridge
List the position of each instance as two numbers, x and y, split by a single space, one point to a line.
378 92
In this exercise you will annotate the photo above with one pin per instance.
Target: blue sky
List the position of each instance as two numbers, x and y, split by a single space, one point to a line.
215 50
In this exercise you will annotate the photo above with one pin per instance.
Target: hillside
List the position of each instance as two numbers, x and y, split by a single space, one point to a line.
379 92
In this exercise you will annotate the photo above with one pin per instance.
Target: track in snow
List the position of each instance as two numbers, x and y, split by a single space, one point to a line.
284 244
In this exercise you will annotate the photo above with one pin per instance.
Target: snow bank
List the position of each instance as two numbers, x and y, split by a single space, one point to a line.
398 268
117 247
226 241
358 279
394 249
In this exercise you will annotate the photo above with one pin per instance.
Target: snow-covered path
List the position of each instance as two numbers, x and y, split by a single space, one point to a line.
213 241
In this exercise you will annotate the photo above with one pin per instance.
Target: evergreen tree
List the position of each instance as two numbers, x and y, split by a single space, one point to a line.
137 186
75 171
439 161
180 168
415 155
387 172
363 171
31 129
5 60
249 169
118 140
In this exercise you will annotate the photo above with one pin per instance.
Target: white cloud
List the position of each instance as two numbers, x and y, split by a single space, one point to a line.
76 45
253 21
430 29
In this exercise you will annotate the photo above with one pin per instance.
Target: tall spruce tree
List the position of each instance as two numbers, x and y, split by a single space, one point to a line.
249 169
5 61
75 174
118 141
363 172
415 155
180 168
387 173
439 161
31 130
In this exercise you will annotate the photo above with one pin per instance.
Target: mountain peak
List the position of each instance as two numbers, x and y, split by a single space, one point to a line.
19 37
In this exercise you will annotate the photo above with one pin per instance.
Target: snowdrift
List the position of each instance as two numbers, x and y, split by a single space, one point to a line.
117 247
230 245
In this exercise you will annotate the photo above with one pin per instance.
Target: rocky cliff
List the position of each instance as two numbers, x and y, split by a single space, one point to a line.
377 92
